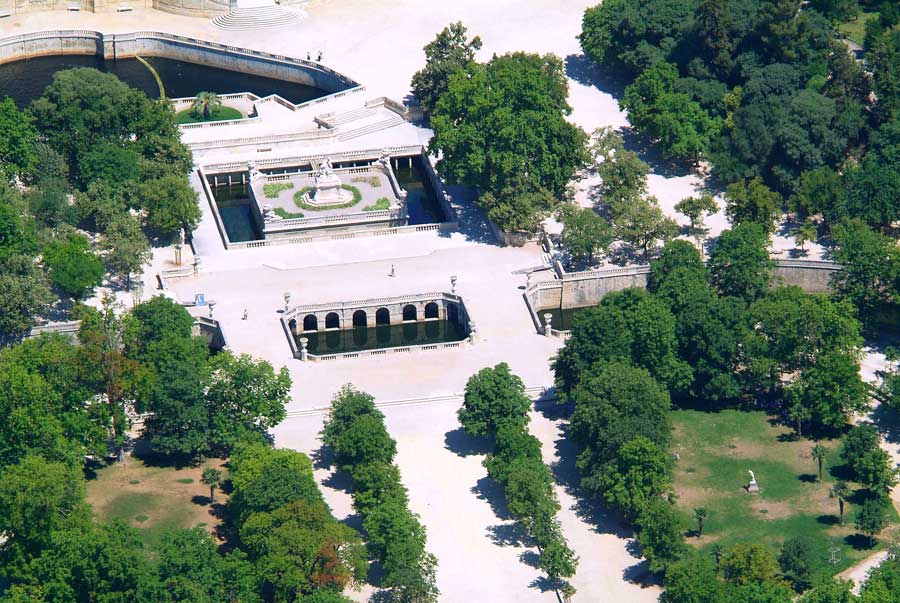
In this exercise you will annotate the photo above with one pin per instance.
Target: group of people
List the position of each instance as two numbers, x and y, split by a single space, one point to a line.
318 58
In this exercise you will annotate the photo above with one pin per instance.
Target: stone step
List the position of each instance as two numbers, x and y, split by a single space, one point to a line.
369 129
257 17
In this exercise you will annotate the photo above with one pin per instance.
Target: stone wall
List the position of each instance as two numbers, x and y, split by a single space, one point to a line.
147 44
580 289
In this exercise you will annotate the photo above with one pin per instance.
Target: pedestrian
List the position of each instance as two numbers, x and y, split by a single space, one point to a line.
393 272
320 57
245 314
308 58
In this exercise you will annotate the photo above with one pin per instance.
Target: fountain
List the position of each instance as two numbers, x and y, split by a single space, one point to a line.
328 189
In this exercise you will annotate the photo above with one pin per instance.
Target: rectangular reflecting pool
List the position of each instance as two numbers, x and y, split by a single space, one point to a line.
358 339
421 203
233 203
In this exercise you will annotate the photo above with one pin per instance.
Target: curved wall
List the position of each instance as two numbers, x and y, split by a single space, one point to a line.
190 8
146 43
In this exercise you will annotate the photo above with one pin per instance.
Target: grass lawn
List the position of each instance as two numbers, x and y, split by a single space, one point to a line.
716 450
218 114
154 499
856 30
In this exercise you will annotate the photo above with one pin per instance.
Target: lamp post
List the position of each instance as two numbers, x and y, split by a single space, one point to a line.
453 284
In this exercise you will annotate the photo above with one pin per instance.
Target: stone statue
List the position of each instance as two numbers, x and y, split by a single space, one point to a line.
255 174
752 487
325 168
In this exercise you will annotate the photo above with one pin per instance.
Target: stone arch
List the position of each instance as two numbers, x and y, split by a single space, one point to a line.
310 323
360 319
432 310
332 321
410 312
382 316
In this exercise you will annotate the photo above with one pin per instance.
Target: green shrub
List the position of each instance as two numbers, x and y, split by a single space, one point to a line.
273 189
379 205
287 215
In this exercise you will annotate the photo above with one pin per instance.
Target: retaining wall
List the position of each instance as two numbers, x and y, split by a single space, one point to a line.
580 289
148 44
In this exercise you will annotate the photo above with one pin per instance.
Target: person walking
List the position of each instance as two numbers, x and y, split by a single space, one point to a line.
320 57
308 57
393 272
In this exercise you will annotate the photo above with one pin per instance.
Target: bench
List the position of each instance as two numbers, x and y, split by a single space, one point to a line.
123 8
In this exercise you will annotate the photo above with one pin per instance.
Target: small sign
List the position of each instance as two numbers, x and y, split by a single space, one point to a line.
199 299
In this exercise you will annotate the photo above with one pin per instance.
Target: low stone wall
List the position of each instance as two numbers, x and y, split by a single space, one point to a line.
148 43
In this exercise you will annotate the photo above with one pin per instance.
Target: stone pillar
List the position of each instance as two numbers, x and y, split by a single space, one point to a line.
212 306
472 332
548 329
304 355
196 266
453 284
287 300
178 254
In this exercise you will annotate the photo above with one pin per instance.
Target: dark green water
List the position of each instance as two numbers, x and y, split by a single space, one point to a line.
25 80
234 208
421 202
359 339
561 319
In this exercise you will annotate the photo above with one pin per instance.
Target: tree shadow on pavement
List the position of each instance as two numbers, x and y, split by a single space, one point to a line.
583 70
887 422
565 473
461 443
473 222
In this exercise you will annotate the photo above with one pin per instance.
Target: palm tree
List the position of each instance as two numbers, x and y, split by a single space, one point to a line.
805 232
211 477
700 514
819 453
718 550
840 491
205 103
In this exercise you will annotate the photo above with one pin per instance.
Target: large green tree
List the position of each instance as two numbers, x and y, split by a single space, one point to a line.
500 127
494 396
616 405
739 263
17 139
448 53
74 268
245 397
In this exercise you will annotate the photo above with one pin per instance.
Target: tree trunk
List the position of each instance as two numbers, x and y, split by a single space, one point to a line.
841 505
212 493
799 431
700 528
821 460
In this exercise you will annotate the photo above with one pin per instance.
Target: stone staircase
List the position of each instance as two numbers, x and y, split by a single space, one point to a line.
370 128
242 18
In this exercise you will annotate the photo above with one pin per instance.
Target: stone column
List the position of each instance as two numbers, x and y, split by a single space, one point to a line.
472 332
304 355
548 329
196 266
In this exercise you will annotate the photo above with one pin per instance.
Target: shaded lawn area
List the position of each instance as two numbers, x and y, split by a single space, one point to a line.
155 499
855 29
717 448
217 114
